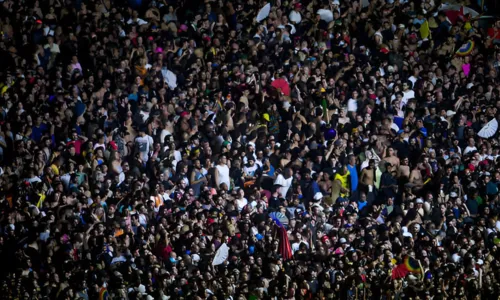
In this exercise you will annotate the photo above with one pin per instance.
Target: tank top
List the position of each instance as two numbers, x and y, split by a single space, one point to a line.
224 175
197 186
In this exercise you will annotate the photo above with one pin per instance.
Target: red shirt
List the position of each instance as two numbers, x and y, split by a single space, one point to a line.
494 33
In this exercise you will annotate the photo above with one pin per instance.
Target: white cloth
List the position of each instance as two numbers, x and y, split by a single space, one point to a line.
223 172
139 21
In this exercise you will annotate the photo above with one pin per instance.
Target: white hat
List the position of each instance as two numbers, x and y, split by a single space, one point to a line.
336 2
343 241
195 258
455 257
318 206
318 196
450 113
420 201
469 85
142 289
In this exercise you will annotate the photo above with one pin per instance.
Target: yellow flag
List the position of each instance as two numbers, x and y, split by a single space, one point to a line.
40 201
425 31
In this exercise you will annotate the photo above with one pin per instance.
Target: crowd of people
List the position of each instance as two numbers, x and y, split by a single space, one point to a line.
188 149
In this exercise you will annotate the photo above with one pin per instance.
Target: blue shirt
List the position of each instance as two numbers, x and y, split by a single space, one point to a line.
361 204
271 171
132 97
354 177
37 132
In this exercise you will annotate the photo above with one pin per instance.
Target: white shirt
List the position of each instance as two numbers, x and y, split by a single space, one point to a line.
223 172
409 94
469 149
413 79
296 246
241 203
352 105
139 21
149 143
145 116
54 48
285 184
164 133
292 31
295 16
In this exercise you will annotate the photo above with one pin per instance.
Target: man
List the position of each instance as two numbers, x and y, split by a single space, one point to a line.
391 157
39 129
284 180
295 16
354 173
143 144
408 93
368 178
197 178
352 103
343 178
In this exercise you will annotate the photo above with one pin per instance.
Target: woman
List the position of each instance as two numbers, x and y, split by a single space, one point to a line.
51 18
198 179
98 158
171 16
274 120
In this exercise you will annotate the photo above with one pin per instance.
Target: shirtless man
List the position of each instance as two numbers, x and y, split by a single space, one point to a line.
368 175
416 177
325 183
404 168
390 157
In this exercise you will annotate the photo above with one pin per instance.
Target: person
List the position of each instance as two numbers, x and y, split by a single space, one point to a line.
144 144
222 173
284 180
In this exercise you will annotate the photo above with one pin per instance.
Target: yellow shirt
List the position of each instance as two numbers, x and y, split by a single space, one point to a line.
344 181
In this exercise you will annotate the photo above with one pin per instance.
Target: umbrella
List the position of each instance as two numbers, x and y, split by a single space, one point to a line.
281 85
466 48
284 248
453 12
221 255
325 15
399 271
489 129
279 218
264 12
